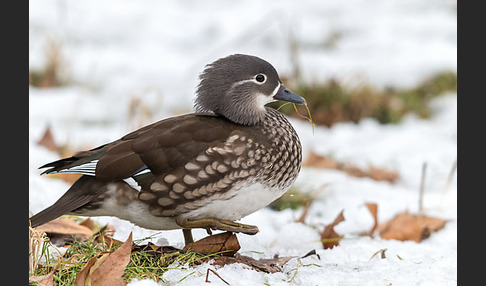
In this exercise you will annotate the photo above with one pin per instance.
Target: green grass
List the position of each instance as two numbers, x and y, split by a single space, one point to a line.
53 72
145 262
293 199
331 102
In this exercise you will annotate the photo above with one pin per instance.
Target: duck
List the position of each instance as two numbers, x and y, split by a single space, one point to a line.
207 169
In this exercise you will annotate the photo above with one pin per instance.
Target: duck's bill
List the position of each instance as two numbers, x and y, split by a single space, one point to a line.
286 95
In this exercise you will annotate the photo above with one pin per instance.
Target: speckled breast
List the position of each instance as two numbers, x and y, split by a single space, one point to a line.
267 155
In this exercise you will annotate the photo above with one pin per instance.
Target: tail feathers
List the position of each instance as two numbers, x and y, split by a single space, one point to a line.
81 193
78 159
44 216
57 165
61 207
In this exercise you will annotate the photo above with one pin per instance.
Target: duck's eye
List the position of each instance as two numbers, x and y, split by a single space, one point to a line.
260 78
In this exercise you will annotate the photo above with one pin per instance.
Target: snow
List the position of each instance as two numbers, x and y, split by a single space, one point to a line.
120 51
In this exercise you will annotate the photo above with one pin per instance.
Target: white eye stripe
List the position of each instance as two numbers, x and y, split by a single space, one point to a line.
245 81
253 79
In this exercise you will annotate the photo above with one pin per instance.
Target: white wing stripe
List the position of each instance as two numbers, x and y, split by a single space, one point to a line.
85 169
144 171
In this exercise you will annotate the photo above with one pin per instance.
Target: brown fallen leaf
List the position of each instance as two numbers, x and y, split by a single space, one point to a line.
89 223
225 243
405 226
380 174
104 235
324 162
329 236
48 279
153 249
43 280
373 208
108 268
266 265
83 274
308 203
110 271
305 212
60 230
47 140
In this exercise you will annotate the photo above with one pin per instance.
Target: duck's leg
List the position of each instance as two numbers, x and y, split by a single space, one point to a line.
187 236
217 224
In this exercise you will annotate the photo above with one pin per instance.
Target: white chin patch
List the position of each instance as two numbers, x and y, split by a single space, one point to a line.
262 100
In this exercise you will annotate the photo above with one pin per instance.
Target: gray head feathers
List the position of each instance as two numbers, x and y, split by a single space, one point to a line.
237 87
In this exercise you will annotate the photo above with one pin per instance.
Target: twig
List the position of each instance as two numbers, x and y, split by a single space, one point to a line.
304 212
303 116
312 252
300 115
37 243
299 263
207 276
421 190
449 181
381 251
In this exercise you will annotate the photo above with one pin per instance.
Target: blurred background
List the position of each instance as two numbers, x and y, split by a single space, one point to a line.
373 58
379 76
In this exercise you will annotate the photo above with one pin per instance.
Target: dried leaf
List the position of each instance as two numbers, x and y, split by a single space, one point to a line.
432 223
329 236
106 268
43 280
303 216
100 258
48 279
380 174
405 226
309 199
373 208
276 260
111 268
83 274
353 170
317 161
272 265
323 162
63 227
104 234
47 140
151 248
225 243
89 223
